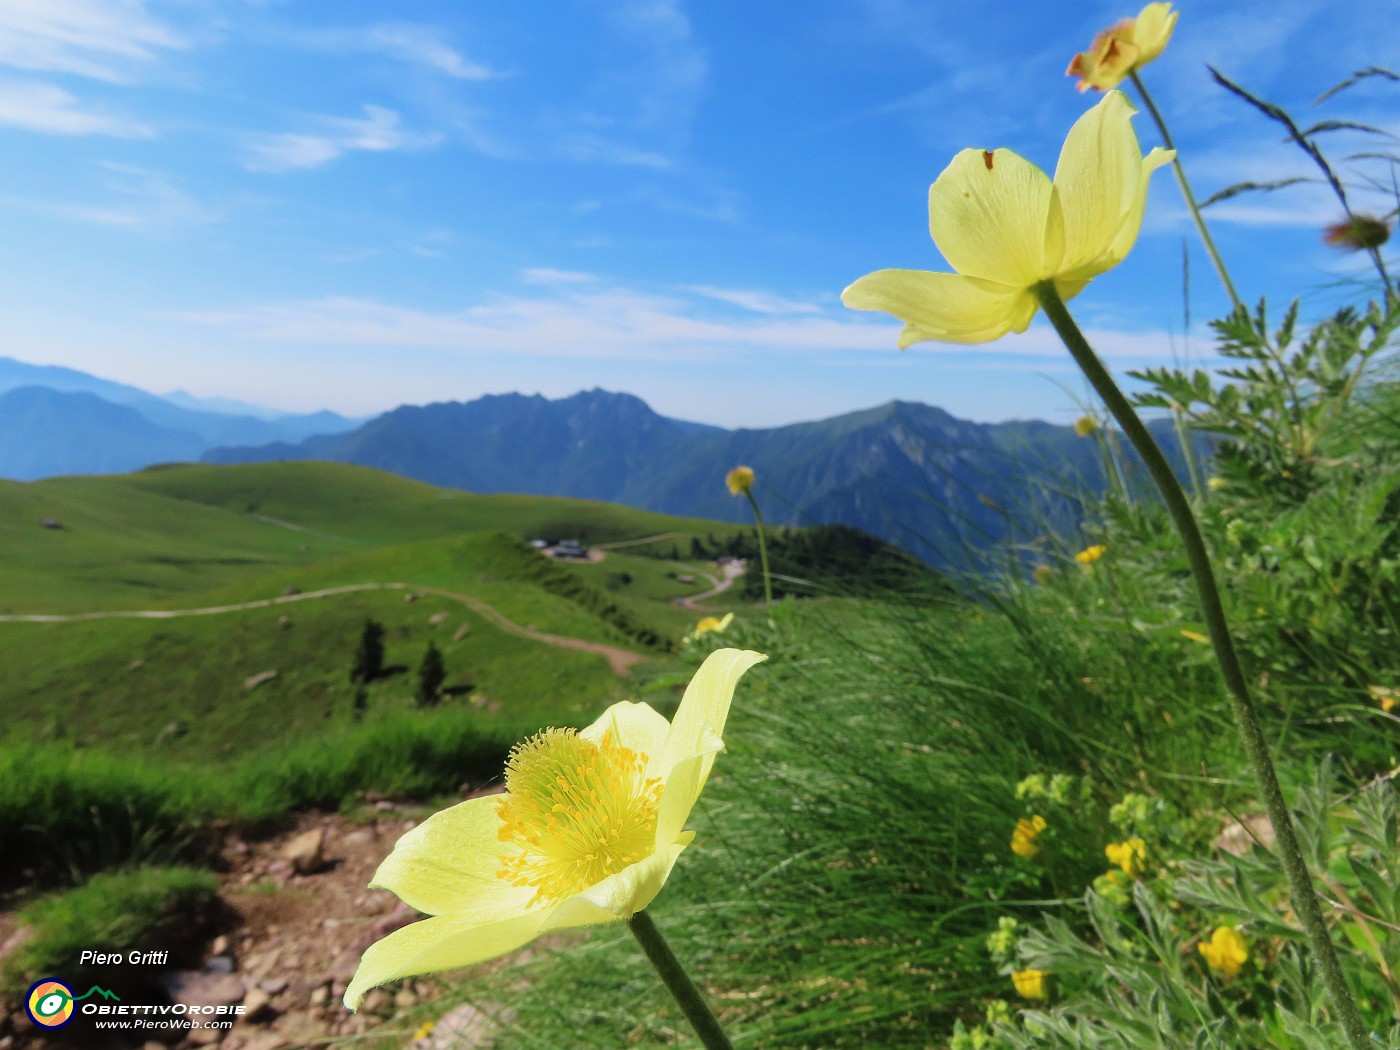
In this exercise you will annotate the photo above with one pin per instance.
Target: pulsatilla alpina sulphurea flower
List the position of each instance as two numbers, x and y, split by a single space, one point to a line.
1124 48
1005 227
587 832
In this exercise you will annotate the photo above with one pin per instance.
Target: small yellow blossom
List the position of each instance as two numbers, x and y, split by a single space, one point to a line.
1030 984
739 480
710 625
587 832
1216 484
1084 426
1042 573
1005 228
1194 636
424 1030
1124 48
1091 554
1384 696
1023 838
1225 952
1130 855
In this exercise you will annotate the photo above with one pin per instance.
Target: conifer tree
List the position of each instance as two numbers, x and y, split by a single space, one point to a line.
369 657
431 674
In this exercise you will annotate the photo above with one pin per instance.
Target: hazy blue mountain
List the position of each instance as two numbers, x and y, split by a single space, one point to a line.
47 432
936 485
209 420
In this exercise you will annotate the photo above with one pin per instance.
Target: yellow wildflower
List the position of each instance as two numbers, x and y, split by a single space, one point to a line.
710 625
1130 855
1194 636
1005 227
1124 48
1089 555
1030 984
1215 484
1225 952
424 1030
1042 573
587 832
1357 234
1023 838
1384 696
739 480
1084 426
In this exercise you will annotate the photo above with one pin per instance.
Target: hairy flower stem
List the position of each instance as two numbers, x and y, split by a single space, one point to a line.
762 549
1186 191
678 982
1300 885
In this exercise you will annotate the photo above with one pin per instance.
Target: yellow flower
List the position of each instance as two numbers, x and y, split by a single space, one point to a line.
1215 484
1124 48
710 625
587 832
1194 636
1384 696
424 1030
1042 573
1225 951
739 480
1030 984
1085 425
1023 838
1091 554
1005 227
1131 856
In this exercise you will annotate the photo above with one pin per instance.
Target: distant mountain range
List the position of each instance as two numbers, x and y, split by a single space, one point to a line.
940 487
61 421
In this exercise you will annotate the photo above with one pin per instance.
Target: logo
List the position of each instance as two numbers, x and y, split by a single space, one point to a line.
49 1003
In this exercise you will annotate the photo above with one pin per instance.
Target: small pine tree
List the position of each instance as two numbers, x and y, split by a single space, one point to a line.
431 674
369 657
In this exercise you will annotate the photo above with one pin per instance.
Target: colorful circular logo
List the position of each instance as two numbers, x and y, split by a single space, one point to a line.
49 1003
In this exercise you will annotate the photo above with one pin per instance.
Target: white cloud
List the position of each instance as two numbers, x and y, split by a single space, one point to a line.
546 275
138 200
416 44
757 302
378 131
595 323
52 111
92 38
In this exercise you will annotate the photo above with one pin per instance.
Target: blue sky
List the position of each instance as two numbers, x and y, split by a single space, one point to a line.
353 205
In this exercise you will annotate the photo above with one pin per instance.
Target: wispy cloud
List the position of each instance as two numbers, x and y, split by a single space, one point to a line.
137 199
419 45
583 321
92 38
546 275
50 110
377 131
757 302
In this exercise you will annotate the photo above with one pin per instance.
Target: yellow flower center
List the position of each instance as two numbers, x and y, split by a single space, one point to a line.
575 813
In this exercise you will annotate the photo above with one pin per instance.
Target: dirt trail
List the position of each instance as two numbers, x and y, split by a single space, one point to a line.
731 571
620 660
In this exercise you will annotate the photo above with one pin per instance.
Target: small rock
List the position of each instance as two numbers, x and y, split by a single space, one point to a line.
436 618
466 1025
254 680
284 620
319 995
263 1041
404 999
257 1005
204 989
303 853
383 805
219 964
410 597
363 837
136 665
220 945
172 730
1240 838
462 632
274 985
291 591
204 1036
377 1002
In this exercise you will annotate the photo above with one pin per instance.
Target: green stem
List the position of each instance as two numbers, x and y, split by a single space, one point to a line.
678 982
1186 191
1300 885
762 548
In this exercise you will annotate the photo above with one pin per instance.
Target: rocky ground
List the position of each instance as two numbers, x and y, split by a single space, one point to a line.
299 915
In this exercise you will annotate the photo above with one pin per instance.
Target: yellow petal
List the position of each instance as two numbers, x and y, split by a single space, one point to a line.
1152 30
448 864
1101 185
946 307
992 216
632 889
635 726
449 942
